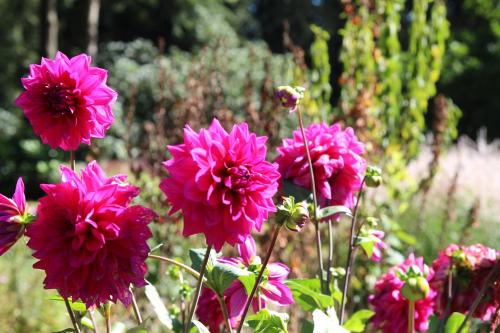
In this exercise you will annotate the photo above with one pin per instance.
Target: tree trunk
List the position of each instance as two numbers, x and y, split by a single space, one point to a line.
93 27
52 21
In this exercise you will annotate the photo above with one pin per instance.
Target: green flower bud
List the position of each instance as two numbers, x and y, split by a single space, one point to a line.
292 215
415 288
373 177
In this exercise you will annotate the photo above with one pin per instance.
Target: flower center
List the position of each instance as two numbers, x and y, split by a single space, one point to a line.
60 98
237 176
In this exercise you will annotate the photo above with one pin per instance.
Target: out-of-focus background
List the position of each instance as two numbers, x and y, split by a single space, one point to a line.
418 80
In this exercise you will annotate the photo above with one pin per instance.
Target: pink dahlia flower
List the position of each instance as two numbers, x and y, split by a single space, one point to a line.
88 240
12 217
337 162
471 265
221 182
67 101
272 290
391 308
378 245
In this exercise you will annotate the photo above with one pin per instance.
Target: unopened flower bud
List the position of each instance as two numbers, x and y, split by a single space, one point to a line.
373 176
292 215
289 96
415 288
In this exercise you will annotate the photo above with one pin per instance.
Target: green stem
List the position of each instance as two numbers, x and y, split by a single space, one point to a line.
197 290
315 200
259 278
135 307
72 160
330 256
350 254
92 318
186 268
107 309
411 316
225 314
72 315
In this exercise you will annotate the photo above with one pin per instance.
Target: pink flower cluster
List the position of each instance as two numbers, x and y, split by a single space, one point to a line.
221 182
88 239
272 290
470 266
67 101
337 162
12 215
391 308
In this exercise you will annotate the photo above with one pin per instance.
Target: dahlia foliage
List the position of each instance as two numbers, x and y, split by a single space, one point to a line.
391 308
221 182
337 160
92 242
88 239
67 101
273 291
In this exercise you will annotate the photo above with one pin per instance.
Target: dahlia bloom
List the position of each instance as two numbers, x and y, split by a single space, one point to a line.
337 162
67 101
391 308
378 245
13 216
221 182
272 290
87 238
471 265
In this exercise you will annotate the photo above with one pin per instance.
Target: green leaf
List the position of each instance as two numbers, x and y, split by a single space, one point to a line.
158 306
248 282
87 323
307 327
197 256
267 321
357 321
76 306
454 322
367 243
406 237
67 330
333 210
198 327
306 292
327 322
221 276
433 324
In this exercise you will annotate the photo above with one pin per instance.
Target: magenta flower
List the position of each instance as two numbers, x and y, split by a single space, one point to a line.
378 246
88 240
13 216
209 312
272 290
67 101
391 308
471 266
221 182
337 162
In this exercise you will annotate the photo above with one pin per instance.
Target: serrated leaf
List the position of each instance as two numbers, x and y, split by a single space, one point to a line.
454 322
158 306
76 306
197 256
198 327
327 322
357 321
221 276
333 210
306 293
267 321
248 281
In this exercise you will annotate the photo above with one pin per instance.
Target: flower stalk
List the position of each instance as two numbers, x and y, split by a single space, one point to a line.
350 254
72 316
259 278
225 314
135 307
107 315
197 290
315 201
411 316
